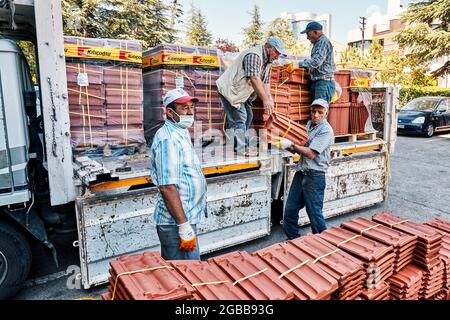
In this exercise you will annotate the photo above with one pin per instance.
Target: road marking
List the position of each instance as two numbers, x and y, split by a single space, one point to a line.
45 279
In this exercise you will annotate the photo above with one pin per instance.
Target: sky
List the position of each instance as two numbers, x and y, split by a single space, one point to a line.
226 18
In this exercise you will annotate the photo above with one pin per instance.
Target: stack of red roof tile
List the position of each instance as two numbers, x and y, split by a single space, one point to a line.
377 258
406 284
105 96
279 125
209 280
297 268
444 253
146 276
346 269
426 254
382 293
358 118
339 117
404 244
254 276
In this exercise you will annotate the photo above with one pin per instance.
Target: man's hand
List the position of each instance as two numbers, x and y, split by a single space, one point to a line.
188 240
282 143
268 105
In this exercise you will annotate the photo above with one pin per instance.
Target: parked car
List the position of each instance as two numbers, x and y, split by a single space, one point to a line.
425 116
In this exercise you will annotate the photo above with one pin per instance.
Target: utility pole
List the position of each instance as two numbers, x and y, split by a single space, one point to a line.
362 21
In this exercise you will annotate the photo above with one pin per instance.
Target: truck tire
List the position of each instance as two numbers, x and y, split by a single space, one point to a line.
15 260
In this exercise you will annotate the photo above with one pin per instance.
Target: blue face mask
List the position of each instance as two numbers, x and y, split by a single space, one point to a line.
186 121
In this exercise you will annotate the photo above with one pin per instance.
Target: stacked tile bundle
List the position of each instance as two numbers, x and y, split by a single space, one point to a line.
348 115
104 81
291 96
377 258
331 265
404 244
346 269
406 284
279 125
444 253
194 69
381 293
309 281
426 254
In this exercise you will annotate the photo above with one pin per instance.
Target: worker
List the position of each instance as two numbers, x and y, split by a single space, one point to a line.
308 186
321 66
175 170
247 78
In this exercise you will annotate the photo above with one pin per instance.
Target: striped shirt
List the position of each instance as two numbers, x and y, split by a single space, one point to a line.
253 68
321 65
320 138
173 161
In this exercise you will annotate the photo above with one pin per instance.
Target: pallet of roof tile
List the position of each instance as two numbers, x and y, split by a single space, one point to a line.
296 268
254 276
209 280
406 284
404 244
346 269
377 258
147 277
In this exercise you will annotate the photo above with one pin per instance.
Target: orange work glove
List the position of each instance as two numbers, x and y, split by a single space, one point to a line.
188 240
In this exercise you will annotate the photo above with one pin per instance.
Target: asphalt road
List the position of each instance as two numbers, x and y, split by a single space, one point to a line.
419 189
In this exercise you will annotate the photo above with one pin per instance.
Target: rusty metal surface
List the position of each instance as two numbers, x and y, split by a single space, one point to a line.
209 280
263 286
308 279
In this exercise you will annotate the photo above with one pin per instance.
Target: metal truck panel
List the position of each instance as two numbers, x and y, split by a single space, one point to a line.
50 45
353 183
110 226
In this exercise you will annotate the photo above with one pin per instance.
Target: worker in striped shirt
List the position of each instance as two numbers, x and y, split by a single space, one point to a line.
321 66
175 170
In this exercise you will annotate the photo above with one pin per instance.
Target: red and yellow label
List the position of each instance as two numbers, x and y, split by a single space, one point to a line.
360 83
101 53
181 59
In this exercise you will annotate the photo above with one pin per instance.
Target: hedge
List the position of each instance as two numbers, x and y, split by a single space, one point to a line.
409 93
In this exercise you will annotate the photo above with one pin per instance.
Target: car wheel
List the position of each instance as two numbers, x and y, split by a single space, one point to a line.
429 132
15 260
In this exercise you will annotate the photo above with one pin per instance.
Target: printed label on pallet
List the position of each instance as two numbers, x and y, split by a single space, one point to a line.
181 59
101 53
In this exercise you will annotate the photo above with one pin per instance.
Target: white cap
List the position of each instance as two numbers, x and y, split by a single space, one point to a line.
321 103
177 95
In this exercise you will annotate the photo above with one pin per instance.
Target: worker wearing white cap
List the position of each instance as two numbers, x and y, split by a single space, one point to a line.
308 186
175 170
248 77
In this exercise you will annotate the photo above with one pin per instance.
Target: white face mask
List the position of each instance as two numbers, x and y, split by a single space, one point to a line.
186 121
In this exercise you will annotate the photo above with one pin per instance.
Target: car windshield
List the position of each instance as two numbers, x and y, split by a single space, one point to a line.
420 105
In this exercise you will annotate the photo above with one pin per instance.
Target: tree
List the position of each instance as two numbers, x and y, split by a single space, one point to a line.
280 28
82 18
226 45
254 32
198 33
176 12
160 24
428 35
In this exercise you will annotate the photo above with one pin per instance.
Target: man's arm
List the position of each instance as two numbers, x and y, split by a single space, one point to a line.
305 151
317 58
173 203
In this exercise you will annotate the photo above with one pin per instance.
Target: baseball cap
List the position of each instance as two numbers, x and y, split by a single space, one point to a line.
178 96
321 102
312 26
277 43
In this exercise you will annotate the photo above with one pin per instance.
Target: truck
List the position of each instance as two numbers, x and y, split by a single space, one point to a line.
44 183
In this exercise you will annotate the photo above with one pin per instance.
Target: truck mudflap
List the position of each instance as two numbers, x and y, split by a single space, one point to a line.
113 225
352 183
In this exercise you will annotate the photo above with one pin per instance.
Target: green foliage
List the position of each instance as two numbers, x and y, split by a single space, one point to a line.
29 52
197 32
428 35
280 28
254 32
151 21
409 93
176 12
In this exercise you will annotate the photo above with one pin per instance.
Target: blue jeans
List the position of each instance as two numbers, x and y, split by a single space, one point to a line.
170 244
238 121
307 190
323 89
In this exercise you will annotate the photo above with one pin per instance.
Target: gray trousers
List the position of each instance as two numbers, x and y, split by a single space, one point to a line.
170 244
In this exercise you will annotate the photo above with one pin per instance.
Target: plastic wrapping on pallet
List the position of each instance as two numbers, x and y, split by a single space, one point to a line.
104 81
